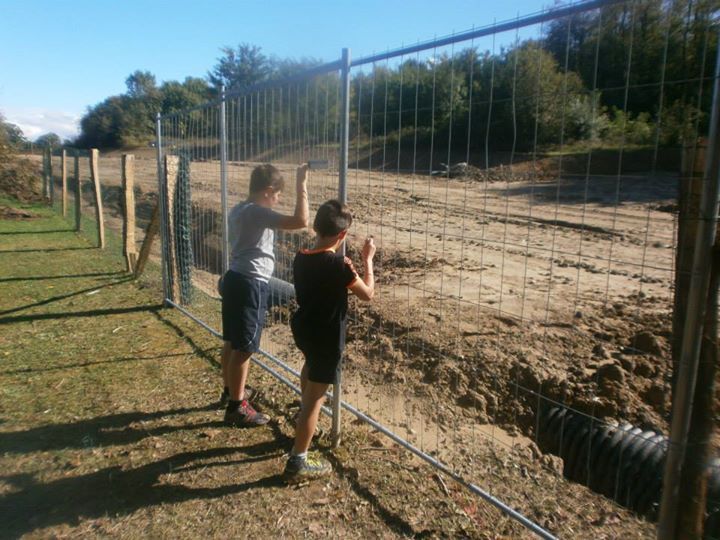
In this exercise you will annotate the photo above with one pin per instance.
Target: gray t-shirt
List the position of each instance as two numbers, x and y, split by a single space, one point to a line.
251 237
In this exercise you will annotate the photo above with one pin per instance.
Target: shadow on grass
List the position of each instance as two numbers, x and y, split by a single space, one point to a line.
64 296
199 351
45 250
89 313
392 519
110 430
86 364
117 491
61 276
37 232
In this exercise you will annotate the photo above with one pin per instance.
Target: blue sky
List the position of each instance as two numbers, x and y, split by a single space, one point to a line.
59 57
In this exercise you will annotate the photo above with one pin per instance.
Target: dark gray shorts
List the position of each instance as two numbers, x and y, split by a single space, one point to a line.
244 303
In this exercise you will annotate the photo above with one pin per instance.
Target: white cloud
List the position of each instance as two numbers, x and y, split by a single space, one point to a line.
36 122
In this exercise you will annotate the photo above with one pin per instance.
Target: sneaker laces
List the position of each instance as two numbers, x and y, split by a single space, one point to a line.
314 460
247 409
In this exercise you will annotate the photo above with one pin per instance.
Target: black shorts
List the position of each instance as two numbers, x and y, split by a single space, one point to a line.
321 359
244 302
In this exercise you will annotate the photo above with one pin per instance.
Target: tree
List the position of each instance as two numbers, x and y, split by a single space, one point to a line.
49 139
240 68
177 96
12 133
141 84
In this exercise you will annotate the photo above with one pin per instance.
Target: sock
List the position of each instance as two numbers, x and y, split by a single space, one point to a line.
301 455
233 405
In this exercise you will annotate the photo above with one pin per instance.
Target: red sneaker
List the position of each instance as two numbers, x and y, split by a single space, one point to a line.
245 416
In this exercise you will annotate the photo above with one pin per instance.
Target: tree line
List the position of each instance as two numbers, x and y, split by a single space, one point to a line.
632 73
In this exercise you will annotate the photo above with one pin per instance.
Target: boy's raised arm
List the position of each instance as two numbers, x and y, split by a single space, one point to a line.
299 220
364 288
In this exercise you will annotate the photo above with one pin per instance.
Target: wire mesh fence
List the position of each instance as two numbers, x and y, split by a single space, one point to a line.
526 215
527 255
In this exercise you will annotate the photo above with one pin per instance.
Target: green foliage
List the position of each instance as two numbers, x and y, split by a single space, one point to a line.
11 134
240 68
639 44
49 139
509 99
180 96
141 84
19 177
129 120
628 129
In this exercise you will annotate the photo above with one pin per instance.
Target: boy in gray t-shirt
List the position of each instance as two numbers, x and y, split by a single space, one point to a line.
244 286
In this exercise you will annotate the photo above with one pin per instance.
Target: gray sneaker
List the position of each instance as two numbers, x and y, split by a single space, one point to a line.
298 469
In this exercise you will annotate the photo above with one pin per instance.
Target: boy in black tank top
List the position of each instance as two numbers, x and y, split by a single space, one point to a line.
322 280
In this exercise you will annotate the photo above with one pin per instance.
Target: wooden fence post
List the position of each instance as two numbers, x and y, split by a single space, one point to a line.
171 171
46 174
63 173
78 191
128 187
150 234
50 177
689 192
94 155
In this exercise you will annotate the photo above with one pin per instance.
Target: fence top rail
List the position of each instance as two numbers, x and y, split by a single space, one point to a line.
489 30
264 85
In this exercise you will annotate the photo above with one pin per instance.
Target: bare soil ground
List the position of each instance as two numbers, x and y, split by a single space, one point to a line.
108 429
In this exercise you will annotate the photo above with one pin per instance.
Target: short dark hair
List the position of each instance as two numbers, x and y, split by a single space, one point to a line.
266 176
332 218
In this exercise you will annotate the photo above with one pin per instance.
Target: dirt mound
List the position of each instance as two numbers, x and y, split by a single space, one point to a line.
607 377
20 179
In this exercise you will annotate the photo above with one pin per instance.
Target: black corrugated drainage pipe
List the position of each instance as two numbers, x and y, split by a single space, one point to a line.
620 461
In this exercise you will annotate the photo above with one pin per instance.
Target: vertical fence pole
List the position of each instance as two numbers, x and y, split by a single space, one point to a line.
223 181
51 182
342 195
63 174
78 191
161 206
692 331
128 188
46 183
95 174
172 163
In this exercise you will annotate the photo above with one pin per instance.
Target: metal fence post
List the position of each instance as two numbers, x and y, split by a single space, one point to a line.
223 181
161 204
342 194
692 331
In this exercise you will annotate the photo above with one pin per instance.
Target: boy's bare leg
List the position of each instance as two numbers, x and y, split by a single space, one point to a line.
303 380
240 413
237 372
225 361
312 400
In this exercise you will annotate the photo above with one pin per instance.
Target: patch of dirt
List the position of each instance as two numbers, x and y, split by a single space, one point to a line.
8 212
